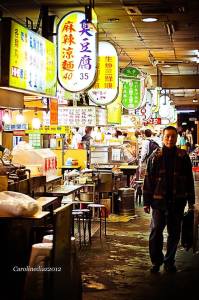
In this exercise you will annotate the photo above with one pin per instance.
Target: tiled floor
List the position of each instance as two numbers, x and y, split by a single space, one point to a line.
117 267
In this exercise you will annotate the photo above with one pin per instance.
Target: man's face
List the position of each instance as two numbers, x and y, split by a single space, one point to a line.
169 138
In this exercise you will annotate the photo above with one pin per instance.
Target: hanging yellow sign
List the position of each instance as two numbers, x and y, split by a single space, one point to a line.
105 89
115 109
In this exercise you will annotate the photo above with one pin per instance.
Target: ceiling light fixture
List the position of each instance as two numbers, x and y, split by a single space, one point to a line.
36 123
6 117
149 19
20 117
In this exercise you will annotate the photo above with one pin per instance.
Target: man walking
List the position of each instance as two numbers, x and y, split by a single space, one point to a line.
168 186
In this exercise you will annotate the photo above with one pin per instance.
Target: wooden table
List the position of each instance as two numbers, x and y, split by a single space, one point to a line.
128 170
47 202
64 190
39 216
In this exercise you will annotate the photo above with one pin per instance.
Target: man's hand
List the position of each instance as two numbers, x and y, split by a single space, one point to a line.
147 209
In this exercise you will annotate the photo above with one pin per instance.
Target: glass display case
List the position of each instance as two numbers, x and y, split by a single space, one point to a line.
114 154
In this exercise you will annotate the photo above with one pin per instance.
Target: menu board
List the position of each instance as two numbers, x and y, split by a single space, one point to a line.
32 60
82 116
131 95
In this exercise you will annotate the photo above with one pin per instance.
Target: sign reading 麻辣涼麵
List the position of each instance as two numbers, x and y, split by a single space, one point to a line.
77 52
32 65
105 89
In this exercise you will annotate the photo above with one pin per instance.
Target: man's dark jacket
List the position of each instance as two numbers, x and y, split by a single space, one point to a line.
155 183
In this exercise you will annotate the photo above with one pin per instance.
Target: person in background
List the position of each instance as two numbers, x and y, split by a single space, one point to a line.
86 139
189 138
157 138
76 139
144 152
118 133
168 187
145 146
183 141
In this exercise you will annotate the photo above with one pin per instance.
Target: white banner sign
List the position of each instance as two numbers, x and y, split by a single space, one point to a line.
77 52
106 87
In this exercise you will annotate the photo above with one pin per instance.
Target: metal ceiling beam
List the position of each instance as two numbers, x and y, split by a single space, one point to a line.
177 81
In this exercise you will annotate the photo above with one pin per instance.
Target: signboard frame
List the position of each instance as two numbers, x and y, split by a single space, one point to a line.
74 86
5 58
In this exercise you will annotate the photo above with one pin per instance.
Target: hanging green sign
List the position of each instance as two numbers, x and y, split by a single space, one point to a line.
131 95
131 72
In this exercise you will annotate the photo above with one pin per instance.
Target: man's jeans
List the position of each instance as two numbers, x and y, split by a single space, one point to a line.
172 219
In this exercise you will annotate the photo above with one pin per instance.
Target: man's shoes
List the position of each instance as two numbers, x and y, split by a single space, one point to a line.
155 269
170 268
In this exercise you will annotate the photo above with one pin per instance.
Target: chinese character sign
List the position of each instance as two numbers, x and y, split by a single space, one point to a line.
131 72
115 108
77 52
53 112
106 87
32 61
131 96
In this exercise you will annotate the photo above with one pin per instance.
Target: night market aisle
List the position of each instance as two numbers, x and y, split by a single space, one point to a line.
119 267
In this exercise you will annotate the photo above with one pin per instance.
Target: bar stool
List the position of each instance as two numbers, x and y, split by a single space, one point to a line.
49 239
34 282
77 215
86 222
100 208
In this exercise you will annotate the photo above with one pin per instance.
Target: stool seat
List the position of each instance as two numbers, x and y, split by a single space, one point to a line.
81 210
39 249
47 238
97 205
34 282
77 212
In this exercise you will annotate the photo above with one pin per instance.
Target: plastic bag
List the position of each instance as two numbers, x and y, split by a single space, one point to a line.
17 204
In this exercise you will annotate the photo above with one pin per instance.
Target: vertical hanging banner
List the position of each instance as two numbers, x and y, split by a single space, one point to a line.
106 88
77 52
131 96
53 112
115 108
